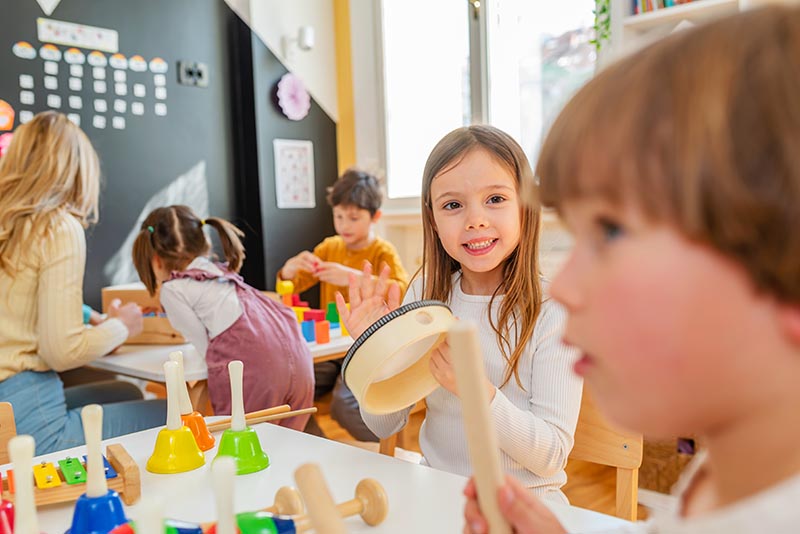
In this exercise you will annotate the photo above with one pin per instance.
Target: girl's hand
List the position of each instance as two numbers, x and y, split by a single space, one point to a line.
305 261
525 513
130 315
335 273
370 299
441 366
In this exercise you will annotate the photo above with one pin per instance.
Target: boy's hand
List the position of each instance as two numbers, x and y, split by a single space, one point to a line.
370 299
525 513
130 314
305 261
335 273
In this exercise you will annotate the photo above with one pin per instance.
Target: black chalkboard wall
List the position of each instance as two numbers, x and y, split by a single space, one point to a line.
230 124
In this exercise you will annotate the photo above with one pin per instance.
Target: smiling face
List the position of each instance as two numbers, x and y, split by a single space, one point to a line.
476 212
671 330
354 225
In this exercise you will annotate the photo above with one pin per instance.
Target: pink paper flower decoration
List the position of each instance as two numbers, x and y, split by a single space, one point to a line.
5 140
293 98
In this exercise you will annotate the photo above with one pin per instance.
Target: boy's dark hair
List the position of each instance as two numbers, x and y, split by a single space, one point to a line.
356 188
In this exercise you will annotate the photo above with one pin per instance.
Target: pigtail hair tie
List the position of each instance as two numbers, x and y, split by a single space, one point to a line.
202 222
150 229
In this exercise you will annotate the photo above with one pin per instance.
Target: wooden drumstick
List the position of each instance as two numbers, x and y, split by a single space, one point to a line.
255 418
21 449
322 511
224 424
479 427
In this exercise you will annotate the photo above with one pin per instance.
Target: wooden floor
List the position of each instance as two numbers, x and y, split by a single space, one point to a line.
588 485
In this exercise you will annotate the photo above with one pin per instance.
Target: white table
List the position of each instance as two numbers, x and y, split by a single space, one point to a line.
421 499
146 362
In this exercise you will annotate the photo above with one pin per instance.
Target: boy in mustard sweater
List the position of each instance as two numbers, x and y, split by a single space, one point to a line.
356 201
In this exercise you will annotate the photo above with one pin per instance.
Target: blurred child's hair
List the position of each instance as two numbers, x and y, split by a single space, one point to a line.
521 286
49 168
356 188
175 234
698 131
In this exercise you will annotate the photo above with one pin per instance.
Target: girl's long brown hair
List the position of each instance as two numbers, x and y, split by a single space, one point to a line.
521 286
49 168
175 234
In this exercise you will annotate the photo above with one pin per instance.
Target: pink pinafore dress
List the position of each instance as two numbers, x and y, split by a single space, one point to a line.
278 367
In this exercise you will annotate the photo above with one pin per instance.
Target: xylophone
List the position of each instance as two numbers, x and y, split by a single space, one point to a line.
67 481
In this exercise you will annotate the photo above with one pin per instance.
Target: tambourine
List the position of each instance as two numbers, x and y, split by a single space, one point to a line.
387 366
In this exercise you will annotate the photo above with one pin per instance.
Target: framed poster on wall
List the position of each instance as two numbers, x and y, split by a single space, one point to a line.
294 173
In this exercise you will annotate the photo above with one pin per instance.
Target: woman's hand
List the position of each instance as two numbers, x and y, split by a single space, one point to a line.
305 261
370 299
130 314
525 513
335 273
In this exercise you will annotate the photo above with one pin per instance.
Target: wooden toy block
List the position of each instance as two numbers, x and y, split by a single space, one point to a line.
300 311
157 328
287 300
284 287
322 332
309 330
126 483
296 300
332 315
314 315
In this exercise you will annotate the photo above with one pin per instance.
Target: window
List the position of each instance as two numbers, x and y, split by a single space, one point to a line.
426 85
529 57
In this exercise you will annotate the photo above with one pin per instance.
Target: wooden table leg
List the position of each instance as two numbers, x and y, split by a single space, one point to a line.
198 393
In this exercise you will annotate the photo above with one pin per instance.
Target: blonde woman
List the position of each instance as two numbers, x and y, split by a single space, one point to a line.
49 189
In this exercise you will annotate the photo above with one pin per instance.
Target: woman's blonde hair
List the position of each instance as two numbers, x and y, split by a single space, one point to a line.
49 168
521 286
699 131
175 234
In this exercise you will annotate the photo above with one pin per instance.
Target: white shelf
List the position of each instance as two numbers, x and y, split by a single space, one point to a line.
696 11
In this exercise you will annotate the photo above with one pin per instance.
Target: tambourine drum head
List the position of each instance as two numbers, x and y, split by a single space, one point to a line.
387 366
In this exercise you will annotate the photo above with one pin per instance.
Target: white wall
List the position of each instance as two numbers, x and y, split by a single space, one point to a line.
273 19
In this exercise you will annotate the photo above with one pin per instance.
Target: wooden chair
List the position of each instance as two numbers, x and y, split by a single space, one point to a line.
8 429
598 442
595 442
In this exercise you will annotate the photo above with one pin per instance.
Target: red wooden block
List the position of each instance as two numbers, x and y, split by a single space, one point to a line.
322 332
295 300
314 315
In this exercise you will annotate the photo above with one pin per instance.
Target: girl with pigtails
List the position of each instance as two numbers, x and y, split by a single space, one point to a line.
222 316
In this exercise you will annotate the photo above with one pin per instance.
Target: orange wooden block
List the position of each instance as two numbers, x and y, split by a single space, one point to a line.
287 299
322 332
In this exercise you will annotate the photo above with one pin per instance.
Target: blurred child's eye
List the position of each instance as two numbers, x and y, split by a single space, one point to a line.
611 230
496 199
451 205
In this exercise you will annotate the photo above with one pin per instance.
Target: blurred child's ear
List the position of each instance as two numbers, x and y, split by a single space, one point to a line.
377 216
789 317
